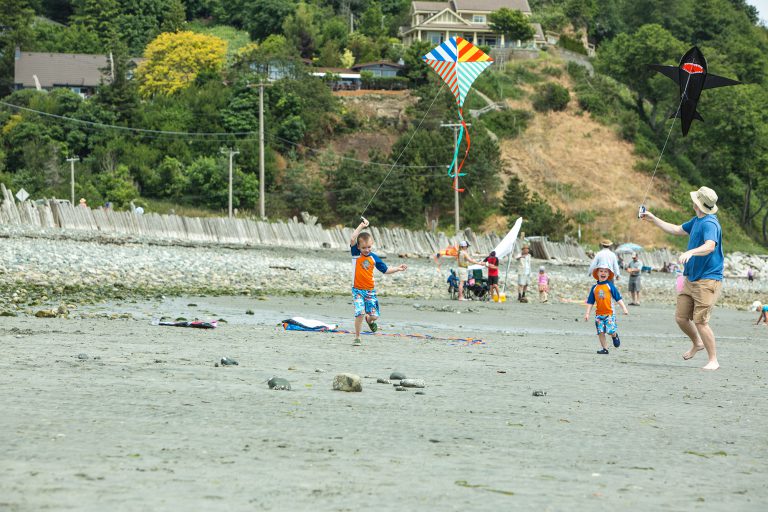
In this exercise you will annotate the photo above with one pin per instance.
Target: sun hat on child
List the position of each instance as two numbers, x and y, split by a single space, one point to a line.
706 199
541 269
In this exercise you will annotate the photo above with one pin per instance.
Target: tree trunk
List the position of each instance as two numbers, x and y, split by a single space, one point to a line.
765 228
747 201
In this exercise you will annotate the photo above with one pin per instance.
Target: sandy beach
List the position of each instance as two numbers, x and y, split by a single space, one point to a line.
147 422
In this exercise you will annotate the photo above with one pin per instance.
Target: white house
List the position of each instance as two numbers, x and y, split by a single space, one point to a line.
439 21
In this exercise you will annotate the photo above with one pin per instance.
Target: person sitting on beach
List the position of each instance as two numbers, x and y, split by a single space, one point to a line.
363 286
463 259
605 258
601 296
543 285
492 262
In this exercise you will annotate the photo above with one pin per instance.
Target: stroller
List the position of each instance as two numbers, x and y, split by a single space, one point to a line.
453 285
477 288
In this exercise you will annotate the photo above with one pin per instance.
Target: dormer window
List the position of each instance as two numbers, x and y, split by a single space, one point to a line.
478 18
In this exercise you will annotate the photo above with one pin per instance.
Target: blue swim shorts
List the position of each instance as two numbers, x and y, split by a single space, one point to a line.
606 324
365 301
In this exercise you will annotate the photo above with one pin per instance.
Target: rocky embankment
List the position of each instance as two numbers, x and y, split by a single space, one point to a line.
58 275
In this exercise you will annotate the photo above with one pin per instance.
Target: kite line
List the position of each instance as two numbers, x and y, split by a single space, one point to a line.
656 168
402 152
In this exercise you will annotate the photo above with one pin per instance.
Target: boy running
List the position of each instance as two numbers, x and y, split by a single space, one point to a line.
363 289
600 296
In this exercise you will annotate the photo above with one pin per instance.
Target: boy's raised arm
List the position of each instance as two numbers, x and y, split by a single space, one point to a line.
363 224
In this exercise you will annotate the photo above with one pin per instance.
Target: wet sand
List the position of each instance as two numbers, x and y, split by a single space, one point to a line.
148 423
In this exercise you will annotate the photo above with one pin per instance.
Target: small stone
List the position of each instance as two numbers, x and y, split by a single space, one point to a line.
226 361
420 393
347 382
291 368
46 313
215 365
319 370
82 356
62 310
400 388
382 381
539 393
278 383
397 376
250 312
413 383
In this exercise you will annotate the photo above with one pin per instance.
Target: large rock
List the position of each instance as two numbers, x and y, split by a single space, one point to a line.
347 382
413 383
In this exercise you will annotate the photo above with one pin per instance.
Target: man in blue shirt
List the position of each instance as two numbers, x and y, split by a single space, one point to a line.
703 273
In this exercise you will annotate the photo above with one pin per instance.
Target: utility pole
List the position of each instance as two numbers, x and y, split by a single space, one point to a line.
455 127
72 161
261 85
232 153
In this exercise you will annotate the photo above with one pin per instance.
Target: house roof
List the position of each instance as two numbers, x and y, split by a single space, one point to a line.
377 63
431 6
59 69
491 5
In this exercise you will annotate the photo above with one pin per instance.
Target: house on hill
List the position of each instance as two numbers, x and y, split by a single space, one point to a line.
439 21
79 72
382 68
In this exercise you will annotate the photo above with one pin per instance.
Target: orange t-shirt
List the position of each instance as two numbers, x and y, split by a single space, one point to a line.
362 269
601 294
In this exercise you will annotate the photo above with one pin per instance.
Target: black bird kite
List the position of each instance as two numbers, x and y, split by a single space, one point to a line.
692 77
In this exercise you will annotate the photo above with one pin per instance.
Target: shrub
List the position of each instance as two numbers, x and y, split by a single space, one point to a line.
552 71
551 96
507 123
572 44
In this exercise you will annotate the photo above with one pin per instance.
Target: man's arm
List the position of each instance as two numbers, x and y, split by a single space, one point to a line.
353 238
667 227
706 248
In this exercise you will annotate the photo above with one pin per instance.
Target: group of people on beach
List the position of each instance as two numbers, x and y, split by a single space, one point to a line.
703 272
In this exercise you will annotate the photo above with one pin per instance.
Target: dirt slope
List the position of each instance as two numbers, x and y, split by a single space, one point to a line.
583 167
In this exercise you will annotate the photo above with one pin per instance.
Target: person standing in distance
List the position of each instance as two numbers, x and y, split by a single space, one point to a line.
703 262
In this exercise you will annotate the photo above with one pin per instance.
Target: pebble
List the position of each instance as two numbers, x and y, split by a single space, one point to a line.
382 381
82 356
226 361
319 370
347 382
420 393
400 388
397 376
278 383
539 393
413 383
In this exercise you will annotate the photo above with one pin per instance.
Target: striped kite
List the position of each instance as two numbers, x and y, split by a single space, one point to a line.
459 63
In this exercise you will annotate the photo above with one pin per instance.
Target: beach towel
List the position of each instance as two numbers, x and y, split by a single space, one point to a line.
298 323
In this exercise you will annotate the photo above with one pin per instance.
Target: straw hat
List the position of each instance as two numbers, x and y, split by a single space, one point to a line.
706 199
82 199
605 242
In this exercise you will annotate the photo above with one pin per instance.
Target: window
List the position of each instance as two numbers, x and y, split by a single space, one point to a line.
478 18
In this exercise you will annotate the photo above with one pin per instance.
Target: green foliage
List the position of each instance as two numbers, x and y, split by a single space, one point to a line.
551 96
498 85
571 44
208 183
512 23
508 123
16 18
389 83
538 217
117 186
236 39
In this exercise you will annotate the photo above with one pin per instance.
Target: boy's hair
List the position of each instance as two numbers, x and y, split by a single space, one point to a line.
364 237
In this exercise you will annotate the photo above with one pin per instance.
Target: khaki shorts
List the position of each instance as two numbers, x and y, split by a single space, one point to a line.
697 298
463 273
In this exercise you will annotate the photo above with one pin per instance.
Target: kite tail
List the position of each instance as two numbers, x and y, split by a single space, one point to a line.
457 172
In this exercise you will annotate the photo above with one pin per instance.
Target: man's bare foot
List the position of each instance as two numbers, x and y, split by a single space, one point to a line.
692 352
712 365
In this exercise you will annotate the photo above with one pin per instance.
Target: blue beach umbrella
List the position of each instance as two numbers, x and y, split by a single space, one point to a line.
629 247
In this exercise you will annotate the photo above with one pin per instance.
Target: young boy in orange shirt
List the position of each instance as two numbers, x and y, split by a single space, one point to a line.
601 296
363 286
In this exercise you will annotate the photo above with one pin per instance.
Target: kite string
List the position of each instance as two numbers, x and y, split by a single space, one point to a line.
677 114
402 152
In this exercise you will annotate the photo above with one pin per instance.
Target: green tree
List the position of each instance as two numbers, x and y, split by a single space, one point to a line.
262 18
301 29
372 22
512 23
621 58
117 186
99 16
15 18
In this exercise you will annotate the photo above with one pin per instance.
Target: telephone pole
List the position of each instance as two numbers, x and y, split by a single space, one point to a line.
261 85
455 127
72 161
232 153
